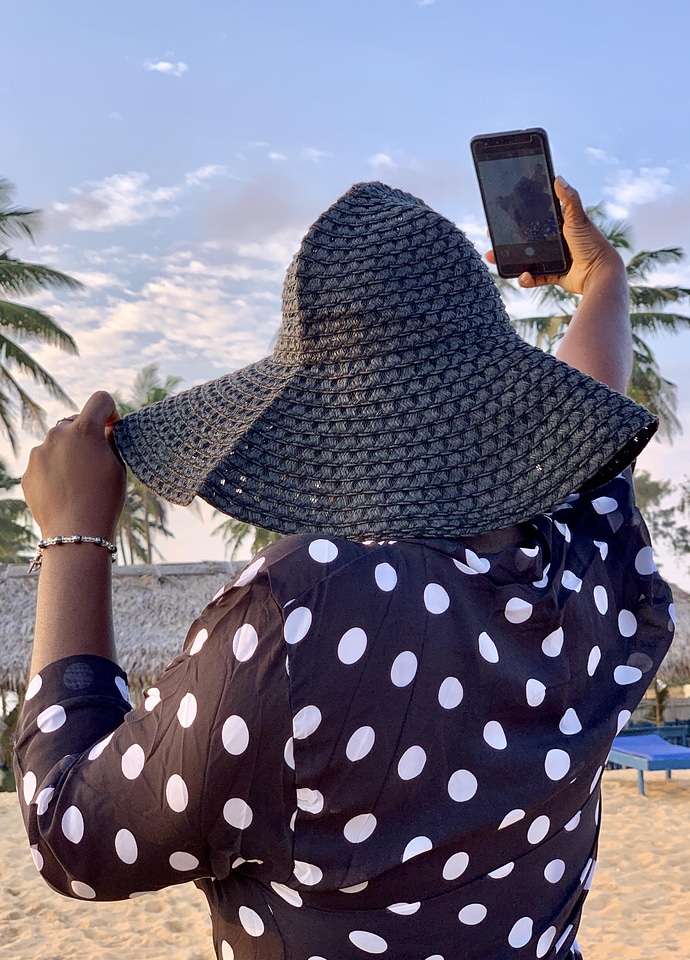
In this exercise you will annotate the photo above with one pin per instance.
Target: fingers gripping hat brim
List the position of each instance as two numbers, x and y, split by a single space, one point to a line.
398 402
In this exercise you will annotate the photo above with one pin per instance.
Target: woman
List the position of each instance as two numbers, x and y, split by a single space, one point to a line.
387 735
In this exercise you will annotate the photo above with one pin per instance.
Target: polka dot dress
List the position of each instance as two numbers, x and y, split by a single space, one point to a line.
365 749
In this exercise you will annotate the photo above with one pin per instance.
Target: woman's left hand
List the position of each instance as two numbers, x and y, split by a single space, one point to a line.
75 483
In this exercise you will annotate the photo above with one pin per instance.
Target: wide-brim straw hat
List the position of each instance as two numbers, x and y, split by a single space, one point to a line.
398 401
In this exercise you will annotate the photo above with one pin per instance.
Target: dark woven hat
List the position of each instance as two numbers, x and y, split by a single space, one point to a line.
398 402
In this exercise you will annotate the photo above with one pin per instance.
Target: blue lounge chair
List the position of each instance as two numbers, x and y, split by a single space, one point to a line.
648 752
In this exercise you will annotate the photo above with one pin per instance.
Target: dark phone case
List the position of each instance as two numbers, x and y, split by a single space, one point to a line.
515 137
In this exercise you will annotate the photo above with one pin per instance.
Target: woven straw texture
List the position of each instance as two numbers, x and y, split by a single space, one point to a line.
398 402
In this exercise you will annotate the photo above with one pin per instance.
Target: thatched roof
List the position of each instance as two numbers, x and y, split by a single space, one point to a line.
155 605
153 608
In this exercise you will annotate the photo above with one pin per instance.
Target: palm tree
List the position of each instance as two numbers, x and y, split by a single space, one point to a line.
144 514
17 279
235 532
649 315
17 537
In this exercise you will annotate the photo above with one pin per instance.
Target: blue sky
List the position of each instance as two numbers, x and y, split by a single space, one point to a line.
180 151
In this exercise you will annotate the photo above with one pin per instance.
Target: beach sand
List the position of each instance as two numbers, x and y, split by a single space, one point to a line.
638 909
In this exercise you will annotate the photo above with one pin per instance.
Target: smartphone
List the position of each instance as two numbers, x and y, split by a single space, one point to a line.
523 214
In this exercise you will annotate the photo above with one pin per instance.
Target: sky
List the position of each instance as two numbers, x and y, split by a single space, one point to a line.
179 152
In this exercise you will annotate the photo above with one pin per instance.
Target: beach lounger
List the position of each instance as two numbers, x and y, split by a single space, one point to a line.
648 752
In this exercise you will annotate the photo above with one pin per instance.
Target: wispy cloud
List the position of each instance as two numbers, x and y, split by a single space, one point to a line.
316 156
598 155
202 175
395 161
277 156
635 189
166 66
121 200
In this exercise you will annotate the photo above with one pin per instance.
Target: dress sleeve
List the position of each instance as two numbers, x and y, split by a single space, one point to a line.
190 784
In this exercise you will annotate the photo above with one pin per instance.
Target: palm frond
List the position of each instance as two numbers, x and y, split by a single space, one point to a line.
644 262
656 297
15 222
20 278
12 352
659 322
28 323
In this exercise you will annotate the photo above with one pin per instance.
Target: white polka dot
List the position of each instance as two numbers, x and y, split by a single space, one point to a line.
518 610
307 873
436 599
455 866
297 625
176 793
323 551
416 846
386 577
521 933
356 888
133 760
34 686
305 722
287 893
564 936
435 956
530 551
590 876
360 743
601 599
153 698
570 723
368 942
411 763
51 719
311 801
602 547
404 668
472 914
43 800
289 753
83 890
595 781
251 921
535 692
593 660
360 828
249 572
126 846
487 648
198 642
494 735
544 582
503 871
513 817
623 718
226 951
235 735
545 941
585 872
183 861
624 675
237 813
475 563
672 613
245 642
37 858
352 645
564 530
553 644
29 786
123 688
462 786
450 693
186 712
604 505
404 909
538 829
574 822
627 623
73 824
571 582
556 764
554 870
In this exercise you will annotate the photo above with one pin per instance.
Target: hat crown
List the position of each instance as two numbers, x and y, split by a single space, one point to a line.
377 270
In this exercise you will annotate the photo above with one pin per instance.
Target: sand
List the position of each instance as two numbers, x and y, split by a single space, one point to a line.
639 907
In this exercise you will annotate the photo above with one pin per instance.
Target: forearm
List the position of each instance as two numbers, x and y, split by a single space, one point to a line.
74 604
598 340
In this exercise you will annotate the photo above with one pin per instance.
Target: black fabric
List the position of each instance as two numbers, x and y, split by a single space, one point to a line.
387 748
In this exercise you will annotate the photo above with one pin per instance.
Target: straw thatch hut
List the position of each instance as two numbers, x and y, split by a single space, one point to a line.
153 608
155 605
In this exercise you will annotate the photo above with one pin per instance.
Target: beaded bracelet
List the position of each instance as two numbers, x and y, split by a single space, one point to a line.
58 541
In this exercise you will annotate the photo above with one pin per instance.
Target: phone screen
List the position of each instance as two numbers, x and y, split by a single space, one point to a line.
516 181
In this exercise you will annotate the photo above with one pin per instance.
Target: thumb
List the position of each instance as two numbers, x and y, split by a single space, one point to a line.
98 412
573 211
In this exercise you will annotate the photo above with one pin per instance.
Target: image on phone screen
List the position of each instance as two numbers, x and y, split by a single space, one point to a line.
519 200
